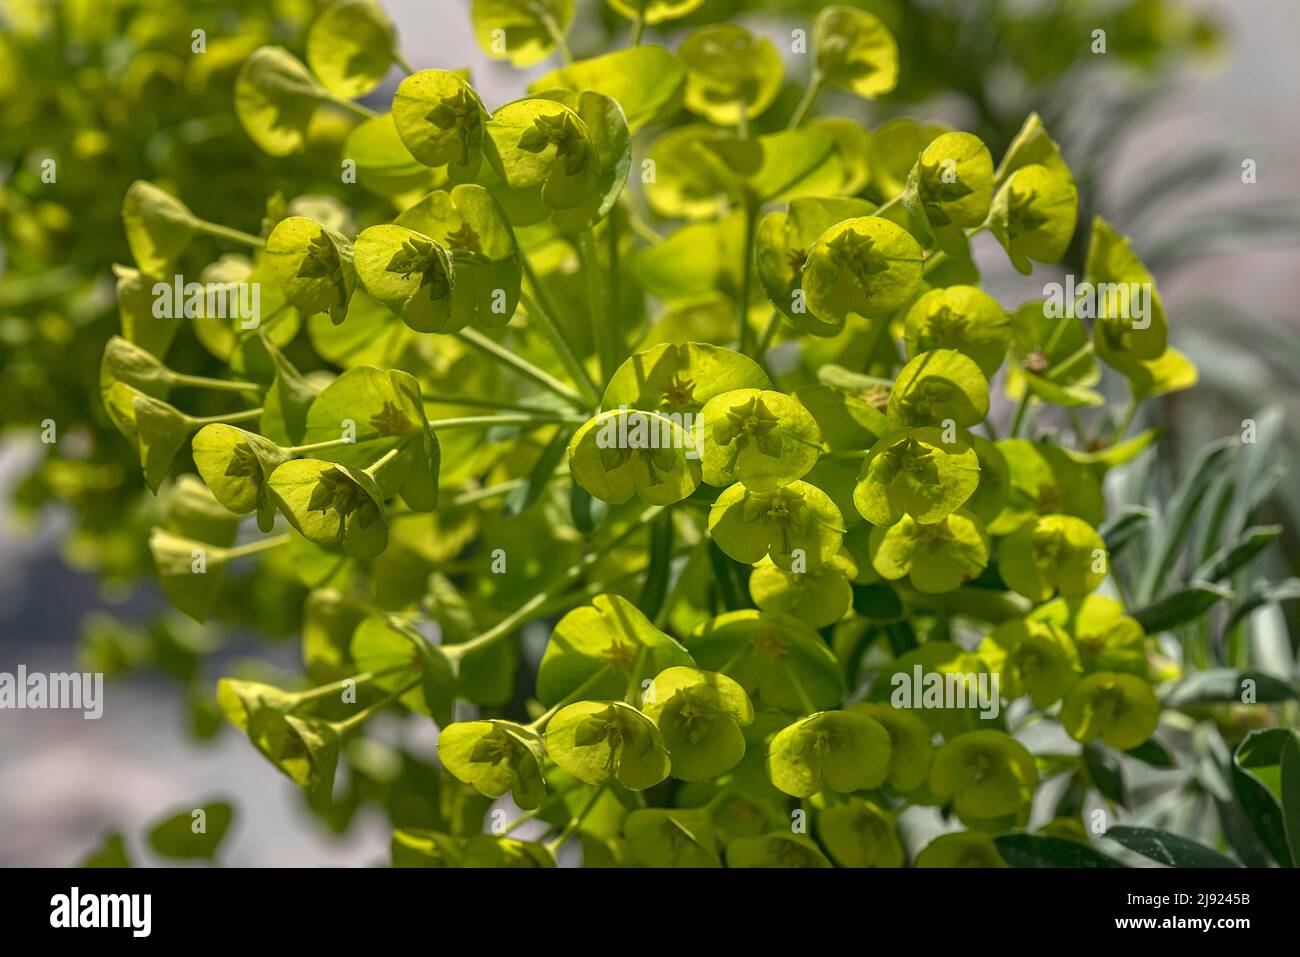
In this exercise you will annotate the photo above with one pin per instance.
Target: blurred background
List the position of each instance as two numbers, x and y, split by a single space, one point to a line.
1156 131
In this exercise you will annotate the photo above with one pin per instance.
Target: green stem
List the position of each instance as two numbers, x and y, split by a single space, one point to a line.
485 404
805 104
751 223
638 25
324 691
804 700
770 332
1019 418
253 548
364 112
402 62
247 415
203 382
343 727
889 205
521 366
486 421
553 29
615 300
598 312
543 315
531 608
575 822
384 459
225 232
319 446
1130 410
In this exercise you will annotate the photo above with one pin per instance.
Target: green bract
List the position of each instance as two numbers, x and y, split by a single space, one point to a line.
952 181
313 265
495 757
542 145
937 557
856 51
1120 709
617 455
659 837
332 504
820 595
936 387
699 714
607 643
860 834
236 464
795 525
866 266
522 31
598 740
1034 658
441 120
645 80
910 751
351 46
730 73
1130 326
778 660
275 99
681 378
841 750
1106 638
761 438
1053 553
962 849
158 227
915 472
960 318
655 11
986 774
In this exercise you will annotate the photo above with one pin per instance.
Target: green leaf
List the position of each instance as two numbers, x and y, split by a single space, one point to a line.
192 573
192 511
306 750
1221 685
1054 553
952 182
1166 848
350 47
418 847
1038 850
275 98
1186 604
110 853
856 51
936 558
1123 338
1106 772
192 834
961 849
775 850
1033 216
1264 777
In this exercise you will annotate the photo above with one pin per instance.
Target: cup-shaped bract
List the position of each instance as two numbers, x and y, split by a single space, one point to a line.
521 32
820 595
616 455
783 242
730 73
841 750
598 740
860 834
953 181
910 749
939 557
779 661
304 749
495 757
796 525
1032 657
1130 325
856 51
1033 216
1120 709
938 387
236 464
1053 553
986 774
962 318
761 438
332 504
1106 637
192 573
412 274
158 227
655 11
671 837
961 849
313 264
350 47
156 430
779 849
681 377
866 266
646 81
441 121
916 472
541 144
607 643
699 714
275 99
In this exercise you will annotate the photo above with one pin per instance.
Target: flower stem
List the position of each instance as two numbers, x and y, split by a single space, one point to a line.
603 322
203 382
541 311
805 104
575 822
343 727
225 232
1019 419
521 366
751 224
253 548
247 415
